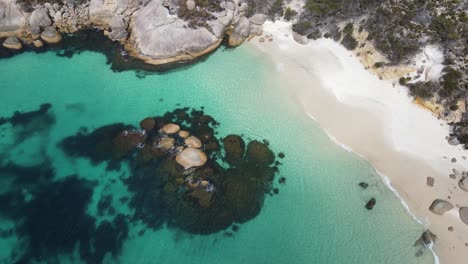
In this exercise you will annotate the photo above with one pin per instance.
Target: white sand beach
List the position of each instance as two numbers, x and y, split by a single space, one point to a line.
379 121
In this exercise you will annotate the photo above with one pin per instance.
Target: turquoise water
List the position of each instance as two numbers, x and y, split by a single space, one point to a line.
319 214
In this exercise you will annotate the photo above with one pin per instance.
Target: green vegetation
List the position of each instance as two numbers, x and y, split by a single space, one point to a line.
289 14
445 28
322 7
450 79
276 9
379 64
301 27
349 28
423 90
349 42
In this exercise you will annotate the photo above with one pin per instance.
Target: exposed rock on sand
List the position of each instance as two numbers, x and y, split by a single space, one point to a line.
191 157
171 128
464 214
240 32
463 183
440 206
193 142
430 181
50 35
12 43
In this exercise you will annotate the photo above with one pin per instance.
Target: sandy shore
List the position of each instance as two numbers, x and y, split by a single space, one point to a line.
377 120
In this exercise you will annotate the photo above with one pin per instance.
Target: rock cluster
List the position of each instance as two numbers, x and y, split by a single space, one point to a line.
176 169
157 31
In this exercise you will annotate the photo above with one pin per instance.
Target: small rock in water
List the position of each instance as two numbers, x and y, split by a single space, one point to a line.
235 228
275 190
440 206
371 203
282 180
426 238
364 185
430 181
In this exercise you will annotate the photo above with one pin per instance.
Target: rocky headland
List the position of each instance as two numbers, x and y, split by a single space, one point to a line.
157 32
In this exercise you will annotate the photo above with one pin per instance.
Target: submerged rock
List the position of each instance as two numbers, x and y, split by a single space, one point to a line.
363 185
440 206
235 149
371 203
259 153
148 124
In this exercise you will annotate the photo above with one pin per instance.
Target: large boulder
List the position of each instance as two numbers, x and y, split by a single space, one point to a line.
440 206
240 32
12 43
11 17
163 38
258 19
51 35
191 157
464 214
40 17
118 34
102 11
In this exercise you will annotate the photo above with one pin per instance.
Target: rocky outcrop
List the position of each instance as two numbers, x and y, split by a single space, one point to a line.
11 17
191 157
50 35
440 206
240 32
156 31
40 18
12 43
160 37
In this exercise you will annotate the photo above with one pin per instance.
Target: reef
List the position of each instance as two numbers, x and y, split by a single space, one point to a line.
182 174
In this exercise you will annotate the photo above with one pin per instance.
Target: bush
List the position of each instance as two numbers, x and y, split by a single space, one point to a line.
450 79
301 27
422 90
348 29
276 9
289 14
349 42
379 64
322 7
446 29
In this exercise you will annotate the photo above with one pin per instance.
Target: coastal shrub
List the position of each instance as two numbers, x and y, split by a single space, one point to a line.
379 64
450 79
402 81
349 42
289 14
423 90
322 7
316 34
349 28
301 27
445 28
276 9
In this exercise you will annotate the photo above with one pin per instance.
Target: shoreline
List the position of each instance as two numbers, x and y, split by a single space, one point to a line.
376 119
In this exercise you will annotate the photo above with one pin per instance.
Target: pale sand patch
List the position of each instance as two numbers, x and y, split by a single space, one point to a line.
378 120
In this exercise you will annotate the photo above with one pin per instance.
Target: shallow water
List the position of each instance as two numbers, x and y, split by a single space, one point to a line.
318 216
